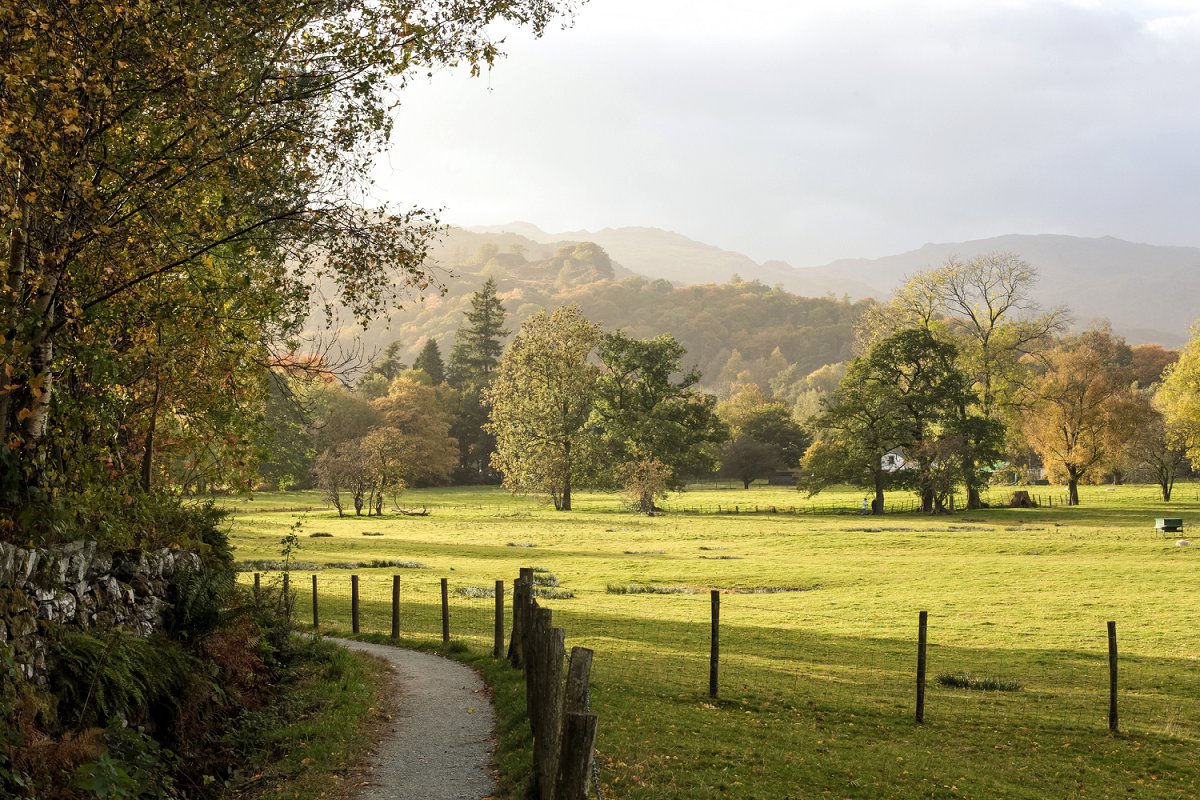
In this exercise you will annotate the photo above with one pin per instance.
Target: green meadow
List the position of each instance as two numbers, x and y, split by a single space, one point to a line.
818 632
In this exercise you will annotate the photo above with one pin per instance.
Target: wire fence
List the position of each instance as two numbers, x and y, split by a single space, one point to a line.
779 644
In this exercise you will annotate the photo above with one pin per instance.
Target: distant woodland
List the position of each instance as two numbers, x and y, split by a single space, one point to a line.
739 328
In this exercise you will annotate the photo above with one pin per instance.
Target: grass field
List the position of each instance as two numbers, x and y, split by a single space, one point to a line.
819 622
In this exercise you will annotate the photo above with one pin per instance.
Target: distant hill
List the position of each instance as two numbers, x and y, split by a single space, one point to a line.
730 329
655 253
1148 292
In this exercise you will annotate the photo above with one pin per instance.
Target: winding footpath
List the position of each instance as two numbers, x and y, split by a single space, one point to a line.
442 730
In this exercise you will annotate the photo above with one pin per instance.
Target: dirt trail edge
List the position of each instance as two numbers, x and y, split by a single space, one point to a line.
442 730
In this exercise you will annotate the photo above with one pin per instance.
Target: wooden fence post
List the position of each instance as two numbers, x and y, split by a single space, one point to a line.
354 603
714 655
575 756
445 610
287 597
1112 677
498 645
316 616
578 734
922 631
577 696
395 606
257 586
543 664
522 603
514 641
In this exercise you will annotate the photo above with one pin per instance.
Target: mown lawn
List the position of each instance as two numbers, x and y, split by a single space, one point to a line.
817 683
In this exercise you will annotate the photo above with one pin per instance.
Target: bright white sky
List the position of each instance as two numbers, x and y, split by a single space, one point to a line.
808 130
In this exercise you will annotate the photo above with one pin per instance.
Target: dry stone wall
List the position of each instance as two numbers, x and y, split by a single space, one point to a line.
78 586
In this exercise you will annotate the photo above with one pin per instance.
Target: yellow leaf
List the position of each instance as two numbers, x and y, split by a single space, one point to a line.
23 414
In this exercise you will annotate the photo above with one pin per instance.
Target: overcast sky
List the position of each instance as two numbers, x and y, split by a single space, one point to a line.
807 131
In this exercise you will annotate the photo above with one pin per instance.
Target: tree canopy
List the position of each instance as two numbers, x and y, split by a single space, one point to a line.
177 187
541 403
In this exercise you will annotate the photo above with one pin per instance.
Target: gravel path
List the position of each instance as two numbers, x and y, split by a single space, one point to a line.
442 730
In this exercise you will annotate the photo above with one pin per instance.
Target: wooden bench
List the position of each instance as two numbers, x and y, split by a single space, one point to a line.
1168 525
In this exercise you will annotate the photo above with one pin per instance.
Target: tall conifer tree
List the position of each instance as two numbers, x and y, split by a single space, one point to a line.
473 360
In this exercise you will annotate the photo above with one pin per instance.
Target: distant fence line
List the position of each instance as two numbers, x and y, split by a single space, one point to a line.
679 505
706 635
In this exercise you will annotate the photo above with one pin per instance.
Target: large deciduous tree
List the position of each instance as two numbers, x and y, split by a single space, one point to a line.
541 402
905 394
751 414
651 410
421 414
162 156
1074 422
985 307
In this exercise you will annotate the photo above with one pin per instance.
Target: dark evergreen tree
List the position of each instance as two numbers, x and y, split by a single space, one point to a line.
473 359
430 362
478 345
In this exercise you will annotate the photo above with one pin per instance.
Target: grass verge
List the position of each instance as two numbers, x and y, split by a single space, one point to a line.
315 743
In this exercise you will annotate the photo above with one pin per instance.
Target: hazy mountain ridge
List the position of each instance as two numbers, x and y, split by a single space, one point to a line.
727 327
657 253
1148 292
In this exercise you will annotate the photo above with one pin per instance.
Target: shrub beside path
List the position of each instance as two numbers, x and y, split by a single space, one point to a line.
441 734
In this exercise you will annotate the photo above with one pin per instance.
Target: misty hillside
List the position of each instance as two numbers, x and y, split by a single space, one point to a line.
745 327
656 253
1148 292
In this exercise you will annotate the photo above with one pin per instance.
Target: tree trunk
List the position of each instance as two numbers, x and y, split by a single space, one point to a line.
1166 491
1073 491
927 501
877 503
148 450
566 495
746 483
974 502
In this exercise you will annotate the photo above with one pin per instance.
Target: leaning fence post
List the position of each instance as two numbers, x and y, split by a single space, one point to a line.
714 655
575 756
316 616
544 664
498 645
922 631
395 606
445 610
1112 677
354 603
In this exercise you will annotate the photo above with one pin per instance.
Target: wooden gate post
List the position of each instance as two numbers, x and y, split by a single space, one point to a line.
354 603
